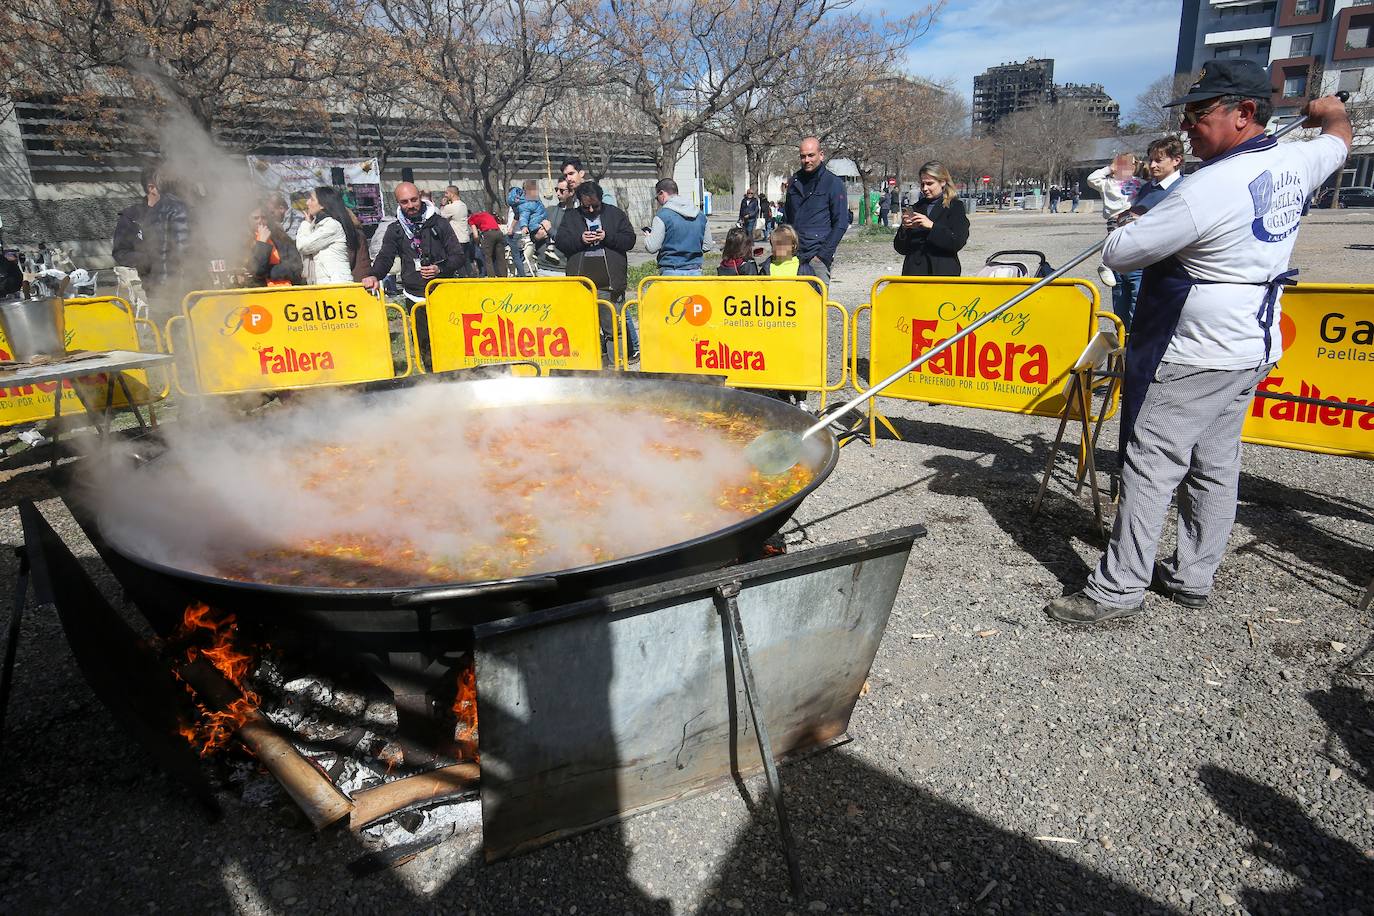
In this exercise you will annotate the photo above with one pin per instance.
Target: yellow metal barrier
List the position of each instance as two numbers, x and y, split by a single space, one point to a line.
551 321
1328 337
97 323
284 338
758 332
1018 363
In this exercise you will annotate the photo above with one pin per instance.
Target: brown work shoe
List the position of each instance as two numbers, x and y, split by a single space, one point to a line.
1079 609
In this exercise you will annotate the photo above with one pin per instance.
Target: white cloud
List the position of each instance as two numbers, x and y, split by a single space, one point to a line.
1124 47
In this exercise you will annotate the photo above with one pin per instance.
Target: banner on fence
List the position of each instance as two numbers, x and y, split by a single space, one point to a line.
1016 363
104 323
550 321
294 177
1328 340
757 332
287 337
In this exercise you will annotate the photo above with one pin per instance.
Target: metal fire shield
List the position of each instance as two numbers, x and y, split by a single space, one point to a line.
593 711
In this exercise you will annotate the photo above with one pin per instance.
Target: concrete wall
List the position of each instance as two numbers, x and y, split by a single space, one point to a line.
76 207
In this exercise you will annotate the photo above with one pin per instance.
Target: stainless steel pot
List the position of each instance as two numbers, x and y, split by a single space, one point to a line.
34 327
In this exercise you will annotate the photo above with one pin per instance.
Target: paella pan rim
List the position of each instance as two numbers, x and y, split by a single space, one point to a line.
371 595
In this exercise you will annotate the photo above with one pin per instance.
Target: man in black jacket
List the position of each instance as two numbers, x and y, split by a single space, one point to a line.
427 247
817 207
749 211
130 248
153 235
596 237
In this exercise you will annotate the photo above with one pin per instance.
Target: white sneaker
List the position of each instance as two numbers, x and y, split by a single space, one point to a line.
33 438
1104 273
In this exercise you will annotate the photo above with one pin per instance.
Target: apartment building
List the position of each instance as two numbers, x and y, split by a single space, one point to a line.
1008 88
1092 98
1311 47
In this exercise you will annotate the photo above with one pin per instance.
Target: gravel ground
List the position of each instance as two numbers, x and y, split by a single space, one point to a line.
1212 761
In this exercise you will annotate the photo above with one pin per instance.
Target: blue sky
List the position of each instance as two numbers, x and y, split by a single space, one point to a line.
1124 46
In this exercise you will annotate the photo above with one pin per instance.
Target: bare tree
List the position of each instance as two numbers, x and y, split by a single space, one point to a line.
1149 114
687 61
600 117
377 108
840 57
217 61
494 69
1041 142
894 124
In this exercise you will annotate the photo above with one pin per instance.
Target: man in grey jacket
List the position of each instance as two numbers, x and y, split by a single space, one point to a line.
679 234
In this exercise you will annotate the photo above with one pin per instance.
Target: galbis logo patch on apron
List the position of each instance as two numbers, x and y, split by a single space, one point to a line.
1278 204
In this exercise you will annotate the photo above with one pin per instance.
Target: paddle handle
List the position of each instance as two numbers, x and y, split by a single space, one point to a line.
993 315
933 352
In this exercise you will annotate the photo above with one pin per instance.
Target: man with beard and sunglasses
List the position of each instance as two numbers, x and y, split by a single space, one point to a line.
1215 255
427 247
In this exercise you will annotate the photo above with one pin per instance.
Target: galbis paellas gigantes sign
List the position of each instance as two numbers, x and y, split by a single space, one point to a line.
287 337
757 332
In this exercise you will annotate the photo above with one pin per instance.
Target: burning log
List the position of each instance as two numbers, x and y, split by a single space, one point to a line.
371 805
215 674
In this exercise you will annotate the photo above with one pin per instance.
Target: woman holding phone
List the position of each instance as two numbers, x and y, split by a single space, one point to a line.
934 227
327 240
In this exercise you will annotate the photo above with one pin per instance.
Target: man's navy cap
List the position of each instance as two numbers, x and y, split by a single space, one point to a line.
1244 78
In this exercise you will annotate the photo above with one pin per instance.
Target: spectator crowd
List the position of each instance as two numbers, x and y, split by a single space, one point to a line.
320 239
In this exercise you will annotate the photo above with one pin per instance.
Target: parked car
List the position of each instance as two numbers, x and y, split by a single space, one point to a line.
1350 197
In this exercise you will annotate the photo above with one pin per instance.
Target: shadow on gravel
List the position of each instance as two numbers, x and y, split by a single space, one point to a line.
870 843
1006 488
1279 515
1334 873
1349 716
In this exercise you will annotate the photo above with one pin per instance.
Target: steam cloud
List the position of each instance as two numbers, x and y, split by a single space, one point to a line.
415 466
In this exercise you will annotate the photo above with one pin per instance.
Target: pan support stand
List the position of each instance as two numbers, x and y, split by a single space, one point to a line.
857 430
726 602
1078 406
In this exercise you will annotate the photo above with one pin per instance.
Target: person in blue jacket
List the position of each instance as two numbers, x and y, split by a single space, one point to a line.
679 235
817 208
532 229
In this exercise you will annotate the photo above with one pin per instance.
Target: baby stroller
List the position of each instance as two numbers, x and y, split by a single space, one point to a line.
1009 264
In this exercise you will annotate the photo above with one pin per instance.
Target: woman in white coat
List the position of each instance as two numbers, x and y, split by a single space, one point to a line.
327 240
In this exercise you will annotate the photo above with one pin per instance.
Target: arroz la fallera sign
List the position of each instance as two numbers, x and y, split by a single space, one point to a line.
475 322
287 337
1328 340
762 333
1017 363
104 323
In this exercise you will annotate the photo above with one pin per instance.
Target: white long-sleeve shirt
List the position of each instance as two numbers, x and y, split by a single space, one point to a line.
1116 194
1231 225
